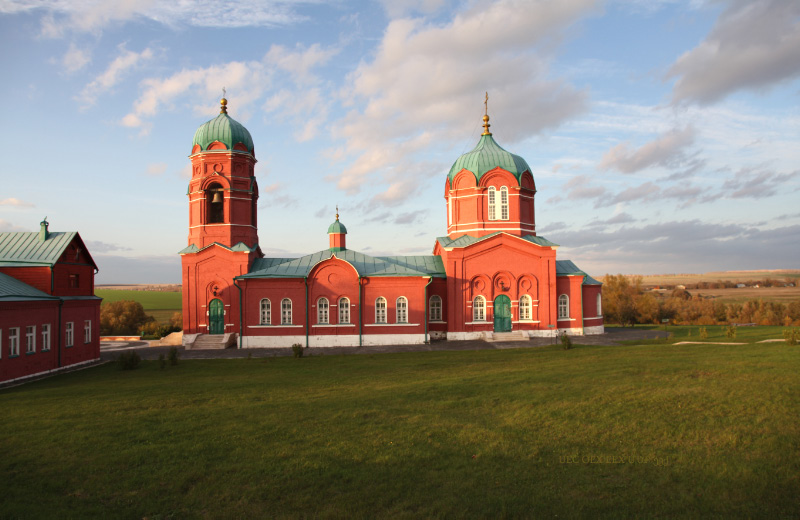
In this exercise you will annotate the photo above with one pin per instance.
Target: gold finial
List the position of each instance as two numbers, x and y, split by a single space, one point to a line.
337 212
223 103
486 124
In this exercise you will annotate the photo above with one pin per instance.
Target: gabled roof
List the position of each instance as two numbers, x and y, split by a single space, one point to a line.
25 249
13 290
568 268
468 240
423 265
241 247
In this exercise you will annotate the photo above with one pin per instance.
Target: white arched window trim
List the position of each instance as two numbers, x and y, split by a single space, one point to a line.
323 311
401 310
599 304
344 310
503 203
435 308
525 308
479 309
266 312
286 311
380 310
492 196
563 307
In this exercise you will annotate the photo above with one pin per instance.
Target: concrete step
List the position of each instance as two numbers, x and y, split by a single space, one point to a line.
516 335
212 341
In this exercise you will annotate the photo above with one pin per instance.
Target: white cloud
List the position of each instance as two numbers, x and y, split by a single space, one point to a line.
92 16
75 59
114 73
665 150
156 169
753 45
414 92
16 203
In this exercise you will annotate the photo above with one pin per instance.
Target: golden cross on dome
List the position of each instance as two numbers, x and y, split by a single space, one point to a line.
485 104
337 212
223 103
486 124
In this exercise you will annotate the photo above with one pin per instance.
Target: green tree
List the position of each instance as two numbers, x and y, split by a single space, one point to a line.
620 295
122 317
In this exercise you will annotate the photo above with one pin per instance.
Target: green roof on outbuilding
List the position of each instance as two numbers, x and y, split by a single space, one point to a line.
14 290
486 156
568 268
24 248
365 265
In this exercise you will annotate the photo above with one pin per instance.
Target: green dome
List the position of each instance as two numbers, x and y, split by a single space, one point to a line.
337 227
224 129
488 155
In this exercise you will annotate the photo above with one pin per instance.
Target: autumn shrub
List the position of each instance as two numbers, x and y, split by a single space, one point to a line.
123 317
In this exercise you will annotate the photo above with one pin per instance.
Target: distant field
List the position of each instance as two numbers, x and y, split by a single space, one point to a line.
643 431
734 276
773 294
159 304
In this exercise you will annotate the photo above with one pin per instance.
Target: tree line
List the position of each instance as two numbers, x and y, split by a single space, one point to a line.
626 302
127 317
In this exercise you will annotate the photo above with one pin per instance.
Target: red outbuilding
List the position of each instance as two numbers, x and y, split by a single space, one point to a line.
49 315
490 275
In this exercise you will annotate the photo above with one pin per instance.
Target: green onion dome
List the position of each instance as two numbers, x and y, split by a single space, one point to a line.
337 227
486 156
224 129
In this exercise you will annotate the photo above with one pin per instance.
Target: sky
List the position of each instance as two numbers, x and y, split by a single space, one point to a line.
662 134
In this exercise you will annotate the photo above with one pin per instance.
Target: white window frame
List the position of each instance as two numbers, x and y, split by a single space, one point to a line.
525 308
435 308
265 312
401 310
563 307
380 309
599 304
323 311
492 196
286 311
13 341
503 203
344 310
45 337
87 331
30 339
479 309
69 334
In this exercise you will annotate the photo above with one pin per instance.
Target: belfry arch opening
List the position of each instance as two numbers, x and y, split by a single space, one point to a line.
215 204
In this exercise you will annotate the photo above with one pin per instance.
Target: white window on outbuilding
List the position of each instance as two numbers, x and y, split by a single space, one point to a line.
525 307
344 310
286 311
69 334
13 341
265 317
87 331
599 304
45 336
563 306
435 312
479 309
380 310
30 339
401 311
323 311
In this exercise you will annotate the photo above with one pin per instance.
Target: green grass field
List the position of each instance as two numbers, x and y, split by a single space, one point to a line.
634 431
159 304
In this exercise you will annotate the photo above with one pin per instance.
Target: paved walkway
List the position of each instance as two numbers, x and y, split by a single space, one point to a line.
110 350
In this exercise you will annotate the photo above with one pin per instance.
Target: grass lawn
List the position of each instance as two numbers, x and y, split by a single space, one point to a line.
159 304
715 333
634 431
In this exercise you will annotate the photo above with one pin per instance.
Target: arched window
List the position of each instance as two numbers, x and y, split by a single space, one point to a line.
344 310
322 311
599 304
286 311
503 203
401 311
266 312
435 312
479 309
563 306
380 310
215 204
525 307
492 198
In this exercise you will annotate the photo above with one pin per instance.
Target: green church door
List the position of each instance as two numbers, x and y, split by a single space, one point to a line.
502 314
216 317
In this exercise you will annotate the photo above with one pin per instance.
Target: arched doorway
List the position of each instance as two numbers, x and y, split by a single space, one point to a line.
502 314
216 317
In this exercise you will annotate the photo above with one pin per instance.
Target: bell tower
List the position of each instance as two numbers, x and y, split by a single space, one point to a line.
223 227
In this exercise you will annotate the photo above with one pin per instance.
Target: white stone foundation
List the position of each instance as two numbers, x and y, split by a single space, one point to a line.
350 340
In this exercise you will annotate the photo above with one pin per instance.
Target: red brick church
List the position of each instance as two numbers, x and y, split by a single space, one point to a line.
490 275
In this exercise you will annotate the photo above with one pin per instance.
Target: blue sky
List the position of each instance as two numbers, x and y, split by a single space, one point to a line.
663 135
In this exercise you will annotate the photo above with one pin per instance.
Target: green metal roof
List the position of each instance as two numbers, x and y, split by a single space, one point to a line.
568 268
240 247
468 240
224 129
13 290
488 155
25 248
337 227
425 265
